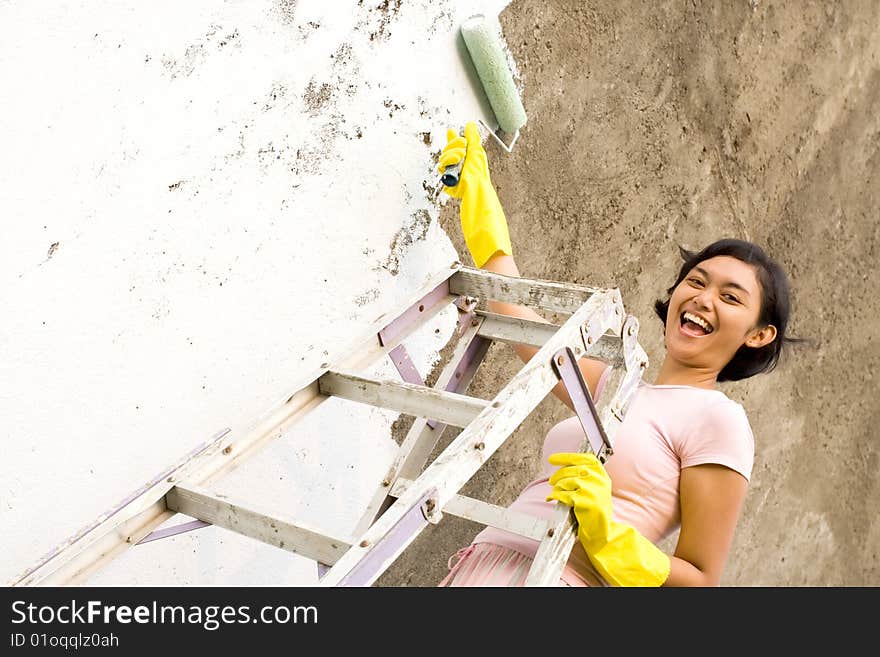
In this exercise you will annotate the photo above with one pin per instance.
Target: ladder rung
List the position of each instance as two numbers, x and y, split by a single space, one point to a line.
549 295
504 328
241 518
488 514
420 401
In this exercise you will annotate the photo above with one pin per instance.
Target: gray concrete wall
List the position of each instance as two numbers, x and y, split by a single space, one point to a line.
653 125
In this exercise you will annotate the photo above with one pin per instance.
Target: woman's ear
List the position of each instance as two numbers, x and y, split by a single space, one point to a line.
761 337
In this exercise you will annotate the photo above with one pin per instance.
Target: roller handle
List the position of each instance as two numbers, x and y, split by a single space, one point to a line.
451 174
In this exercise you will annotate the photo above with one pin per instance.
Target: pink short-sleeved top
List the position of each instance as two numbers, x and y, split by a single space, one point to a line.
666 428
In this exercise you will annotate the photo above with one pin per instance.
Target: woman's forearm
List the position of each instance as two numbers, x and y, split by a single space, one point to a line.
684 573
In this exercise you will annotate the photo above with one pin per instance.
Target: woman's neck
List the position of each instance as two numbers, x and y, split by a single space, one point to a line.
674 373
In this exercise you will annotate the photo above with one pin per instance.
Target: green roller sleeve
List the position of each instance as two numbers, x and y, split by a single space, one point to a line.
490 61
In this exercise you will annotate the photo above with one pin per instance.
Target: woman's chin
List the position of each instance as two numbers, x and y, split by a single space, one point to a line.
685 351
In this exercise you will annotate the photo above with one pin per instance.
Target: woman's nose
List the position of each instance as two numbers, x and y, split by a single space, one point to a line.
702 299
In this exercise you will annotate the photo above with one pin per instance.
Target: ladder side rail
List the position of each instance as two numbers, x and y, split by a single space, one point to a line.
561 527
142 503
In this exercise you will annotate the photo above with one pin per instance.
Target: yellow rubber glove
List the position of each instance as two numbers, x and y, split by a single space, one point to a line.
483 223
620 554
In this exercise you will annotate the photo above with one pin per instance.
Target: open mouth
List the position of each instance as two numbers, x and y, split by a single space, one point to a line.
694 325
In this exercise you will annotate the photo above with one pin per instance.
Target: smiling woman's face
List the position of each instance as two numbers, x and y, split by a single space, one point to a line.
713 312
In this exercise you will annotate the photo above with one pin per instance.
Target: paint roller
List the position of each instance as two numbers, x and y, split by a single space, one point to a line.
484 45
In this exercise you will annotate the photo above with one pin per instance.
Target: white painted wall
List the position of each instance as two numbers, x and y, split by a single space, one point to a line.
200 202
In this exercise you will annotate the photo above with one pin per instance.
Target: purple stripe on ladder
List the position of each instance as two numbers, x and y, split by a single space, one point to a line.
404 365
173 531
408 371
409 316
464 371
468 364
386 547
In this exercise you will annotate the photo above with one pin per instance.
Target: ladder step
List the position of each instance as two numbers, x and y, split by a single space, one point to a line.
241 518
549 295
503 328
411 399
487 514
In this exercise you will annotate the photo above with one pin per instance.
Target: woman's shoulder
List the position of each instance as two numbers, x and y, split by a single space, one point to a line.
721 434
695 410
671 396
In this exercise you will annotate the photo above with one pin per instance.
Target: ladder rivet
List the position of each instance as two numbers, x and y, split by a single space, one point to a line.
496 404
632 329
589 339
480 446
227 449
550 532
128 539
365 544
324 366
475 321
560 360
386 482
170 480
421 307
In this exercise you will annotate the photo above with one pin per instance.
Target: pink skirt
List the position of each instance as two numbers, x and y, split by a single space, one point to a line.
487 564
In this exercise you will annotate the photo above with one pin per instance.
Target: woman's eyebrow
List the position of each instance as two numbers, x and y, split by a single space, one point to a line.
727 284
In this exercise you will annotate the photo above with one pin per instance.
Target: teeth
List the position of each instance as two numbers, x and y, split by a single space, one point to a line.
698 320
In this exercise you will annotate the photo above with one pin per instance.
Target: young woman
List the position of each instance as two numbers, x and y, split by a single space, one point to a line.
684 452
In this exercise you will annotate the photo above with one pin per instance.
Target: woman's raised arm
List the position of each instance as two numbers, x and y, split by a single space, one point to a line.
485 232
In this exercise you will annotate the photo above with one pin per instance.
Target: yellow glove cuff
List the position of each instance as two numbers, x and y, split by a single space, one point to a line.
630 559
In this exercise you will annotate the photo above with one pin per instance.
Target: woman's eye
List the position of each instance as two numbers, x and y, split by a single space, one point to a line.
730 297
695 281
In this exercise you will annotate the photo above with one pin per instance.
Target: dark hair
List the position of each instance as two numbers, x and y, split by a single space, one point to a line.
775 304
